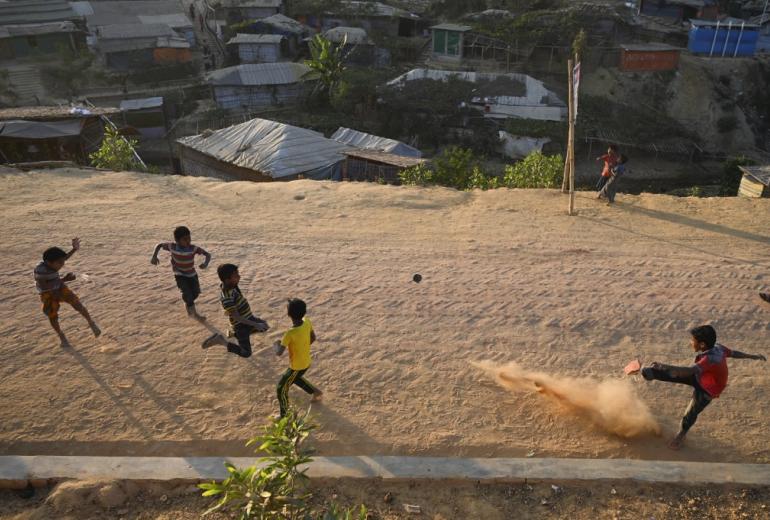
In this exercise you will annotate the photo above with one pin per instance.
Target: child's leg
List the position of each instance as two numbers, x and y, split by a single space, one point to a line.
667 374
287 379
51 310
190 288
700 400
305 385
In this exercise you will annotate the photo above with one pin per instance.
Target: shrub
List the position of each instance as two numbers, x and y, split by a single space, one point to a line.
535 171
115 153
419 175
454 168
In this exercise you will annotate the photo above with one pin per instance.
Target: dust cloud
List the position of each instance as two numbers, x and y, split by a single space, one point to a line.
610 404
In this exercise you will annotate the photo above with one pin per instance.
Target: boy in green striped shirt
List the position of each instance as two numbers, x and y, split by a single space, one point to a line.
243 323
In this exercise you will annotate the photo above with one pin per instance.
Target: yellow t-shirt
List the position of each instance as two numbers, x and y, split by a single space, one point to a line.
297 340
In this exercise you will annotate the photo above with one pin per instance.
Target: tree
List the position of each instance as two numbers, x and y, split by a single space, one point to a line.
327 63
116 152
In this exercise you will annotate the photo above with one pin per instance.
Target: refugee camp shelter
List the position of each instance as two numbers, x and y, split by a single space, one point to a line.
31 134
373 17
763 41
755 182
291 29
145 116
136 46
680 9
358 49
728 38
27 12
237 11
648 57
262 150
366 141
447 41
376 166
258 48
31 40
498 96
259 85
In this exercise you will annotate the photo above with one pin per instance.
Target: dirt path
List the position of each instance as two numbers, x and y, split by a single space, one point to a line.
506 277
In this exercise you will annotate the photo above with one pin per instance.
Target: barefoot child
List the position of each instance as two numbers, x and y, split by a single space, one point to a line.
298 340
610 160
708 376
611 186
53 291
183 263
242 322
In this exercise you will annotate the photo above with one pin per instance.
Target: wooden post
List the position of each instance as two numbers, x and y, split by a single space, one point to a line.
567 164
571 139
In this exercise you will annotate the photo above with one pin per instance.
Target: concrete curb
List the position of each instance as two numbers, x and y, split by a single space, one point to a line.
17 471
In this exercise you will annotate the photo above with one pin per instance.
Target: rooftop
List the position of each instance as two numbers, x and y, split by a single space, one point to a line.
133 31
760 173
167 12
285 23
452 27
35 11
352 35
255 38
376 9
385 158
10 31
648 47
260 74
48 113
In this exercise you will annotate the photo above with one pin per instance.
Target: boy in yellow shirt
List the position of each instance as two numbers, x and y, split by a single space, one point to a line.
298 340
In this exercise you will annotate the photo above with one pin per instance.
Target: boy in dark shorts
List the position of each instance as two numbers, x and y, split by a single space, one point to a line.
297 340
242 322
183 264
708 376
611 186
53 291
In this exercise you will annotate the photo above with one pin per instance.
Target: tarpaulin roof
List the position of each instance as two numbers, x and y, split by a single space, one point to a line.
40 129
285 23
268 147
374 142
260 74
355 35
139 104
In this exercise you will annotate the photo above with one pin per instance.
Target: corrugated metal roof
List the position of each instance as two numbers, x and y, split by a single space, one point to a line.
40 129
260 74
245 4
132 31
355 35
374 142
140 104
736 23
452 27
112 12
386 158
82 8
52 112
255 38
10 31
760 173
285 23
374 9
268 147
173 20
35 11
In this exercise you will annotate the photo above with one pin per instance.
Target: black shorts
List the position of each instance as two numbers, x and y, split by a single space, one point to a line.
189 287
243 332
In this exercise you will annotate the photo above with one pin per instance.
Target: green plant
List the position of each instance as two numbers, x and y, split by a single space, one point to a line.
116 152
536 170
419 175
327 63
276 487
454 168
479 180
731 173
336 512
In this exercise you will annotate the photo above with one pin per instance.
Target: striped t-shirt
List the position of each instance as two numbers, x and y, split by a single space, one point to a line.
183 258
232 300
46 279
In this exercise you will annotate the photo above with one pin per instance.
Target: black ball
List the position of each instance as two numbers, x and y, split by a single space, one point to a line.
417 278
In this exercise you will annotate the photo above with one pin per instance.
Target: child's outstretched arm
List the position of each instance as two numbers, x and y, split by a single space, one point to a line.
75 247
742 355
154 260
205 253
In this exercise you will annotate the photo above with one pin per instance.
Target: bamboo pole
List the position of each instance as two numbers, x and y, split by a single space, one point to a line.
571 139
567 163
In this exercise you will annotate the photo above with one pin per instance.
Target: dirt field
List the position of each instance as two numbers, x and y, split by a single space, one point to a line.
507 276
438 500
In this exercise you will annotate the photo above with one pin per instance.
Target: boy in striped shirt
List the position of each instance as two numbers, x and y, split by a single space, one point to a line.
183 264
243 323
50 285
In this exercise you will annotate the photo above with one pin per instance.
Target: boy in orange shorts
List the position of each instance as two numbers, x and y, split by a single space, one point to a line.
50 286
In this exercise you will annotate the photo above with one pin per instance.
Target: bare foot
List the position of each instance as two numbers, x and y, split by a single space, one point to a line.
765 297
317 396
96 330
677 442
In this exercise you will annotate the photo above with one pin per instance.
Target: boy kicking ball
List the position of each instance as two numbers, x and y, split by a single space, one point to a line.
297 340
52 289
708 376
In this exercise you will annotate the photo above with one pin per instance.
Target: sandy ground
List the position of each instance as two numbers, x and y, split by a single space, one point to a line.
438 500
507 276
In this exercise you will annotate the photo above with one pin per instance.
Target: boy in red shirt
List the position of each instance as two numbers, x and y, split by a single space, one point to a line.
708 376
610 161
